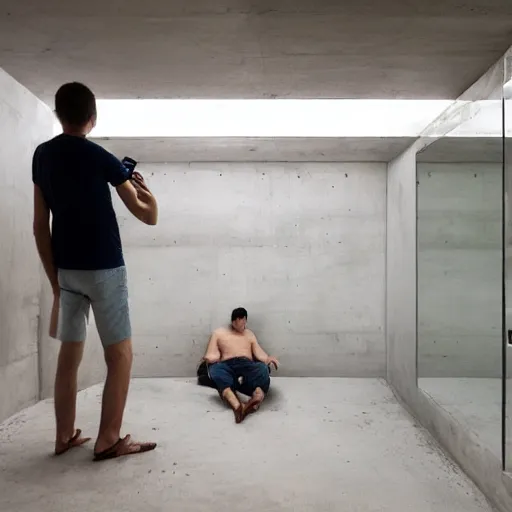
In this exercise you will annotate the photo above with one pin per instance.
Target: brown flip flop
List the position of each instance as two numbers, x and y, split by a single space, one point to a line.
73 442
123 447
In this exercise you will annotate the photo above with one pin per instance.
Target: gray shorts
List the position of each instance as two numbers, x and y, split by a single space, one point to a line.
107 292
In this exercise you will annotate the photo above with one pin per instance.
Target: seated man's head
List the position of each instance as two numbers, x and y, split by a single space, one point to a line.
239 319
75 106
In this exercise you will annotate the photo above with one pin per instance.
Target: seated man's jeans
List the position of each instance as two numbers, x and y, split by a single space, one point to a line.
253 374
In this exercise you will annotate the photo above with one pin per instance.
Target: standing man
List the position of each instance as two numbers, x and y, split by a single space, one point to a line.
83 259
238 363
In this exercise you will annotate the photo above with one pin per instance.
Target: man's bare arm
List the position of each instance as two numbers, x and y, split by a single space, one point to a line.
257 351
261 355
213 354
43 237
139 200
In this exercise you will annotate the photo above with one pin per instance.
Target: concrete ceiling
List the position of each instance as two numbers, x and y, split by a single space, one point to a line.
248 49
257 149
311 149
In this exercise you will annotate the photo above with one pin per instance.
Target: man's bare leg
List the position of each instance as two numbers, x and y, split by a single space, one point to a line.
70 356
254 402
119 364
234 403
119 359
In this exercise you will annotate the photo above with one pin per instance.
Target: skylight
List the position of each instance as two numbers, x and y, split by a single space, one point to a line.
265 118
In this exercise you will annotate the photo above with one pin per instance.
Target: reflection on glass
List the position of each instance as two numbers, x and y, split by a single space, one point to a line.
507 94
459 241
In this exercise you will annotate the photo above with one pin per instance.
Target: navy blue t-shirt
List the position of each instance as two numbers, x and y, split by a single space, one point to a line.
74 175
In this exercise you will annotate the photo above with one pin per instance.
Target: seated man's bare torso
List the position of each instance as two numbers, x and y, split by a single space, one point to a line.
234 344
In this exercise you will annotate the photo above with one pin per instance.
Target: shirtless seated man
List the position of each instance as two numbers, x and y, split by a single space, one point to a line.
236 362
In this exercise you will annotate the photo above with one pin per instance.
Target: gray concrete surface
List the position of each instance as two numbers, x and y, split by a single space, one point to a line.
301 246
300 149
401 286
465 447
240 49
317 444
459 269
257 149
24 123
284 240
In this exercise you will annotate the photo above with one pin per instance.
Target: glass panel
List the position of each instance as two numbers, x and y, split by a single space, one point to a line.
507 95
460 264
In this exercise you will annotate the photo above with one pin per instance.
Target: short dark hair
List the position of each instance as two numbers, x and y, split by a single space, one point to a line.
75 104
238 313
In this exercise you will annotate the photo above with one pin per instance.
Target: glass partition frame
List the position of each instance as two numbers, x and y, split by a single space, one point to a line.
449 122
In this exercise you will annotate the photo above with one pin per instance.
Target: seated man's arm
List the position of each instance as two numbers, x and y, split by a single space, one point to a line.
213 354
261 355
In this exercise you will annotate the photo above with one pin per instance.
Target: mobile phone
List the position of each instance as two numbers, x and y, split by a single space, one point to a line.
130 164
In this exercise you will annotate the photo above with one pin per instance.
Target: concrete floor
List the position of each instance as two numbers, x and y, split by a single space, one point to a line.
318 444
475 403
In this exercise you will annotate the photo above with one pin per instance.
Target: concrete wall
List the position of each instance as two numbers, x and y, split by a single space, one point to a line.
401 276
24 123
301 246
459 270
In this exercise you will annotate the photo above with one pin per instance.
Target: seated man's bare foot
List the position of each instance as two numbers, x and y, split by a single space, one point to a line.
252 405
124 446
239 414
